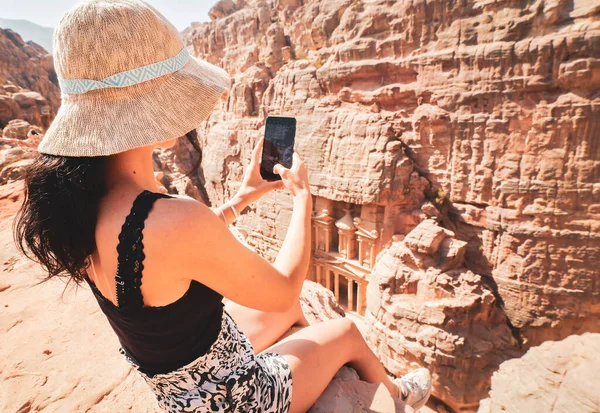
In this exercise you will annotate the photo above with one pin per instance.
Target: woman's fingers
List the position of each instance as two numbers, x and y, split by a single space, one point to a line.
257 151
296 161
280 170
295 179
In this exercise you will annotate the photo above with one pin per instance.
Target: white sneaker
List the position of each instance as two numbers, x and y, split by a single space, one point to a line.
414 388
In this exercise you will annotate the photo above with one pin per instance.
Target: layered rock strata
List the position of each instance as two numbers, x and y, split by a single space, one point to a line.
19 103
560 376
488 110
28 65
425 308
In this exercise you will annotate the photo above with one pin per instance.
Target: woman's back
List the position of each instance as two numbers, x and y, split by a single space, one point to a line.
157 288
159 338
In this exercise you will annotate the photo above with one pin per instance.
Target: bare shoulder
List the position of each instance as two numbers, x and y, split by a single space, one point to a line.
178 216
183 232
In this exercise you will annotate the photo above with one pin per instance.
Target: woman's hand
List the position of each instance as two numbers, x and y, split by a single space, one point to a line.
295 179
253 185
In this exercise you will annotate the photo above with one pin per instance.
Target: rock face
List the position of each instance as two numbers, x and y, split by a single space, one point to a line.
18 145
175 170
346 393
487 110
425 308
319 304
18 103
558 376
28 65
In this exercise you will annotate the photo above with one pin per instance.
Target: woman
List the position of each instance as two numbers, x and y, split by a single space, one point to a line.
160 265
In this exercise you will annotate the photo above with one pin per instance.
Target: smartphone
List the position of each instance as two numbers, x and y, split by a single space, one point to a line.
278 147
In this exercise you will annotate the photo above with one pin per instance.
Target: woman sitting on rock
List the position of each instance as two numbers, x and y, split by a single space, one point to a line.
160 265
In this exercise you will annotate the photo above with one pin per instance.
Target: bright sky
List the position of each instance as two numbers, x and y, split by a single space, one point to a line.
48 12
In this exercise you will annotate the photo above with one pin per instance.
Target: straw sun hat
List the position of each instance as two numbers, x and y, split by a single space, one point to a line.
126 79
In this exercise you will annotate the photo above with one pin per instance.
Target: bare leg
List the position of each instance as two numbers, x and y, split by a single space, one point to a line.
264 328
317 352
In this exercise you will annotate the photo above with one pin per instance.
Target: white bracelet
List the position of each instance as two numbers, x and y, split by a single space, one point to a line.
235 213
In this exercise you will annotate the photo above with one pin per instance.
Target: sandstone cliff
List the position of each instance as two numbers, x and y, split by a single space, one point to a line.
490 110
560 376
19 103
29 66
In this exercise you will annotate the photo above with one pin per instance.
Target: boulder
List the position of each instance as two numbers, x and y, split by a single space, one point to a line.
427 309
560 376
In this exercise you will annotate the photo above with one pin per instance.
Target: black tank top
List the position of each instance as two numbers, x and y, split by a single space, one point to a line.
158 339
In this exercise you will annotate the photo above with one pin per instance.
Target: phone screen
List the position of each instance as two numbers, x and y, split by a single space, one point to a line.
278 146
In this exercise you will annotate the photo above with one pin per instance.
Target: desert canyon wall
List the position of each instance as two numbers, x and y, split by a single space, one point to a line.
454 157
29 99
29 66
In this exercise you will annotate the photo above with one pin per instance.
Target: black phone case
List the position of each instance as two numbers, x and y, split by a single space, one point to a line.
286 161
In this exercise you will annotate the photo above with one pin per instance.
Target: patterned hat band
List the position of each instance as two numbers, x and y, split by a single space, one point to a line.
127 78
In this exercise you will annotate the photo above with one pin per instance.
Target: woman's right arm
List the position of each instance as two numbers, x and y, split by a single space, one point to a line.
201 248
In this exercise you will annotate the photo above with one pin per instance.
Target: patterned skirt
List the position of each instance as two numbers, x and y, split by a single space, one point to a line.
228 378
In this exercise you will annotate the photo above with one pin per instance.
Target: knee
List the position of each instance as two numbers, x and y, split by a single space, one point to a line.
347 327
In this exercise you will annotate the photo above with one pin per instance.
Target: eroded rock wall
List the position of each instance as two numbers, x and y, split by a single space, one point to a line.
24 104
557 376
29 66
489 110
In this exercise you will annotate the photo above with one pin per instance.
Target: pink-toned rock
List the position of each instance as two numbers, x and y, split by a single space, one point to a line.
428 310
347 394
224 8
9 109
21 130
18 103
318 303
558 376
14 154
28 65
430 210
426 237
451 253
34 107
14 171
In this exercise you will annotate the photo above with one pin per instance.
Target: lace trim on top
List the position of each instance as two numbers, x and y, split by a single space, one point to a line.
131 252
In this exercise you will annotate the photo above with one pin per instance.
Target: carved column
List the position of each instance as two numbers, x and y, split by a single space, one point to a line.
350 294
323 224
368 242
361 299
347 235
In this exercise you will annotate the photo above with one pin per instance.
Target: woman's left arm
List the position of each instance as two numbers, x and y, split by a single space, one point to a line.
253 188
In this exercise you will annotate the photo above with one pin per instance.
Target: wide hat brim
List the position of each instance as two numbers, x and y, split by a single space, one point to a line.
108 121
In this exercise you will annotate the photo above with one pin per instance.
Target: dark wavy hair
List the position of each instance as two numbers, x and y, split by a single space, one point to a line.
56 224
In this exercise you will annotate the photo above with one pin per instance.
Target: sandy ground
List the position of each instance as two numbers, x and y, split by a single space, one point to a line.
58 352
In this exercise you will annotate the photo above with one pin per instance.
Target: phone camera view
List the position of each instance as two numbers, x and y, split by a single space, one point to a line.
278 147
